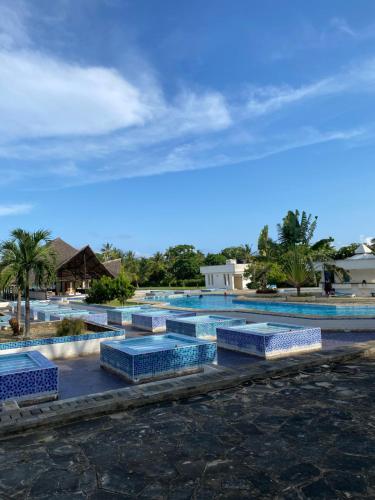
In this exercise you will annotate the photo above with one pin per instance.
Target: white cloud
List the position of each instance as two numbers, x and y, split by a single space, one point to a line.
15 209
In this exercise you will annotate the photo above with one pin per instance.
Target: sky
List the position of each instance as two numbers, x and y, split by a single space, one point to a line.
154 123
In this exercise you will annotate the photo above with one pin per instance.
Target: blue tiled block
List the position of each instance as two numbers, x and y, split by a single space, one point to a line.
201 326
123 315
269 340
155 319
27 376
157 356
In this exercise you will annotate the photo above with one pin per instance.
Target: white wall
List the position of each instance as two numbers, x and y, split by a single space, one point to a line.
63 350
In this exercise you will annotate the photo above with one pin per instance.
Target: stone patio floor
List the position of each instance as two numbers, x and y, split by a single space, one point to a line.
83 376
307 436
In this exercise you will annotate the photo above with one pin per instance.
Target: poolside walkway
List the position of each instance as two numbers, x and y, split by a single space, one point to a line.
83 376
301 437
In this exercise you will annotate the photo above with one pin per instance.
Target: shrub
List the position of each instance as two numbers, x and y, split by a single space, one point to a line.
268 291
70 326
14 326
101 290
122 288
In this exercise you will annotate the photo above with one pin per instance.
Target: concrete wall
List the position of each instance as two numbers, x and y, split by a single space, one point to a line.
63 347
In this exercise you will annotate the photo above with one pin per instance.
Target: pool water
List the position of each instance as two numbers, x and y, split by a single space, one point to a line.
16 363
151 343
220 302
267 328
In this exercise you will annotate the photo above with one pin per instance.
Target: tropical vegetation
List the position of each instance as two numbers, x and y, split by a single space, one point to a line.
27 257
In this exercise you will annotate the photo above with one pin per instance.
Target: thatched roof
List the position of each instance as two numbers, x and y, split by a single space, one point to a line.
63 250
113 266
73 264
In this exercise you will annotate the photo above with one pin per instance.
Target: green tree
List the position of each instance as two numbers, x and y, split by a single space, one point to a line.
345 251
109 252
12 274
131 266
32 256
241 253
183 263
298 268
214 259
296 228
101 290
123 289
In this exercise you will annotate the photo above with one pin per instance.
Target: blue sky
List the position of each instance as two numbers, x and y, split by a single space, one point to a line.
149 124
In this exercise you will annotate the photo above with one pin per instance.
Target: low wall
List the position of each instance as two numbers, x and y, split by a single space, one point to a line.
63 347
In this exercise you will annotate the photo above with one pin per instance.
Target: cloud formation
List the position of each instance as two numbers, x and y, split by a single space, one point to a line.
69 123
15 209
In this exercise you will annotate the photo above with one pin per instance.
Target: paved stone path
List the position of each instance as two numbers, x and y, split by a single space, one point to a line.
308 436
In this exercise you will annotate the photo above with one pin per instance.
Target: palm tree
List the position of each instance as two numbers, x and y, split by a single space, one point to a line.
106 251
298 268
12 274
31 256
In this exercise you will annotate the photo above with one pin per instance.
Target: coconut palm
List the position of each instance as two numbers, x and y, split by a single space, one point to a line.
12 274
31 256
298 268
106 251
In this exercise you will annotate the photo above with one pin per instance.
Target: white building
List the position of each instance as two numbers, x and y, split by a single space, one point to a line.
229 276
361 269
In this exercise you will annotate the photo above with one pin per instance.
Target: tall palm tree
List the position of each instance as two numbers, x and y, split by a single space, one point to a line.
12 274
106 251
32 256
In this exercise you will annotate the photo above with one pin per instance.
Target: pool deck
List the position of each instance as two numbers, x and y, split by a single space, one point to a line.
83 376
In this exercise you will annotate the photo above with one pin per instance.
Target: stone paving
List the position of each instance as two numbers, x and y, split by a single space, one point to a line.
307 436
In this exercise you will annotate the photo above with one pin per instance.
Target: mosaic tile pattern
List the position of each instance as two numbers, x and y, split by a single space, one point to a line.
123 315
60 340
40 380
292 340
186 356
94 317
201 326
155 321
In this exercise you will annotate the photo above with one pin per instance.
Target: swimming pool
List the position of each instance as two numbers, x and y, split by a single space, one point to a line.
220 302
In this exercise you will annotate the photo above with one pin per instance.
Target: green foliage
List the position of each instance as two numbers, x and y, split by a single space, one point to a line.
106 289
183 262
346 251
109 252
214 259
296 229
123 289
241 253
28 256
70 326
101 291
298 267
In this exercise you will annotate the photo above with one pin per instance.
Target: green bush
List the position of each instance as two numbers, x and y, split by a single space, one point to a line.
106 289
101 290
70 326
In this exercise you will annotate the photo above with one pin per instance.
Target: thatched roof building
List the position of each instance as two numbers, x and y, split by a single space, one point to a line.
77 267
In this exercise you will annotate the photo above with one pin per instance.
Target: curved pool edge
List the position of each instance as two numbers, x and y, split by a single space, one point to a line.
326 323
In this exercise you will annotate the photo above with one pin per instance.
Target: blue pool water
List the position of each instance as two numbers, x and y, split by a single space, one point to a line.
219 302
151 343
16 363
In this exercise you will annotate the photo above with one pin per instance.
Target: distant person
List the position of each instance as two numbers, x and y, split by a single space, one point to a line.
328 288
201 296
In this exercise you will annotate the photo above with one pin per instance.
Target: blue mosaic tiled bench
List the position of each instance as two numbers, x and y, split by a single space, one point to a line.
156 356
123 315
46 313
27 376
270 340
201 326
154 320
